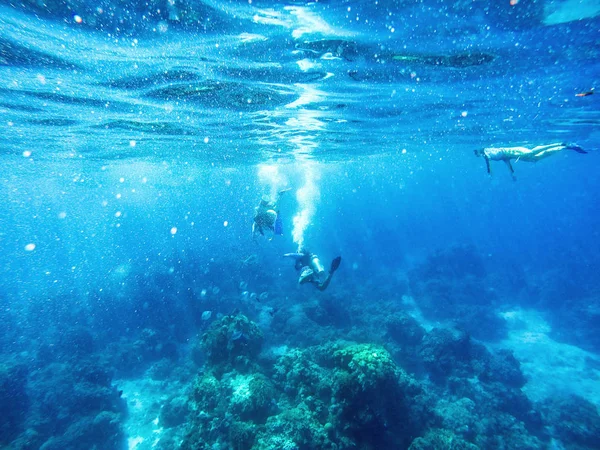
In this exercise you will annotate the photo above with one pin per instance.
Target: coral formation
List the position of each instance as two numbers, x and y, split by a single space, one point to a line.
574 420
232 341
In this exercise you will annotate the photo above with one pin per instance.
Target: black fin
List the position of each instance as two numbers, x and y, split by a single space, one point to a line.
335 264
577 148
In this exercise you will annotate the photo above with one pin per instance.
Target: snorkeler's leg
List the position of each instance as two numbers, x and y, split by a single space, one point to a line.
510 167
557 146
549 150
487 165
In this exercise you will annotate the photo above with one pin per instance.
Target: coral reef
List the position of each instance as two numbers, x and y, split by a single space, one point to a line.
232 341
574 420
73 404
336 394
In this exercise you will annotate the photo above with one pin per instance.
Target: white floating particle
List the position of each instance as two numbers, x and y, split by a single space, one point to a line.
225 223
464 113
132 143
27 153
77 18
174 231
30 247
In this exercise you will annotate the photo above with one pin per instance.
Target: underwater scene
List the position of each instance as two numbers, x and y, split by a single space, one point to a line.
268 225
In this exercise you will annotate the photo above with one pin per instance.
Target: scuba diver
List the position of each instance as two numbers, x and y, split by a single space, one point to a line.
523 154
266 216
312 270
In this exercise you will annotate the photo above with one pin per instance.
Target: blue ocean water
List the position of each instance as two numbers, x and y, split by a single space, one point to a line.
139 310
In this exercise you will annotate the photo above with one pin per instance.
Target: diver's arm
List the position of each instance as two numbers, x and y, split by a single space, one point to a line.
296 256
487 164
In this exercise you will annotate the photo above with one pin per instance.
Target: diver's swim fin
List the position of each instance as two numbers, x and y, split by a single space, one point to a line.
278 228
575 147
335 264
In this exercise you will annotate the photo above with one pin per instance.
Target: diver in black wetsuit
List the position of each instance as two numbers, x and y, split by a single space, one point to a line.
312 270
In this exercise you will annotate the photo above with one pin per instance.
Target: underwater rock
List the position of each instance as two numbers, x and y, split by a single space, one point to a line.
300 377
207 392
373 392
242 435
174 412
446 352
459 416
577 322
73 403
104 430
481 322
438 439
404 329
502 366
160 370
295 428
574 420
234 340
252 397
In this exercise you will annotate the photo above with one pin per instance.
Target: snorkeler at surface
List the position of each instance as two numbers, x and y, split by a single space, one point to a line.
312 270
523 153
266 216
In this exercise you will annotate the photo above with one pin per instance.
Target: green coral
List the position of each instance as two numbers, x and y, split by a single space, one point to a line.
440 439
252 396
234 341
207 392
372 392
241 435
370 366
295 428
302 377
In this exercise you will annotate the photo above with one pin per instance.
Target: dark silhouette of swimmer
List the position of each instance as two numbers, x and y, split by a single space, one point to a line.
312 270
534 154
